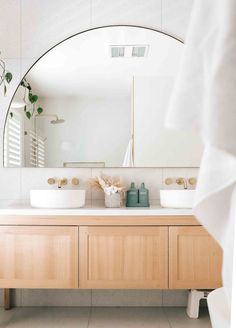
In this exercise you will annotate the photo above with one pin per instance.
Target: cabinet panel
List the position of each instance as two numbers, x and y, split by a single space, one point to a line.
38 257
195 259
123 257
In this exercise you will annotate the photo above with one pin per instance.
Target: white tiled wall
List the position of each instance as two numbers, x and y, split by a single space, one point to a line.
18 182
27 29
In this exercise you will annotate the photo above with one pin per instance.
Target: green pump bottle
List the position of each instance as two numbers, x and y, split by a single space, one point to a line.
143 196
132 196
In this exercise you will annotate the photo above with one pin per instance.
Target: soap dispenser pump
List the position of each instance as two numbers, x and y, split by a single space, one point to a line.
144 196
132 196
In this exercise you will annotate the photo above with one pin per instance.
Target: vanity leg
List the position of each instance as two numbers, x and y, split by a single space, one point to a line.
7 299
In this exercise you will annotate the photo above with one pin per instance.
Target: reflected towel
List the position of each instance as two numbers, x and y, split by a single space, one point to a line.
128 159
204 99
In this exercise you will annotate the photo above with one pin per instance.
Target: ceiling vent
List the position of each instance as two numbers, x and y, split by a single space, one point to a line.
129 51
117 51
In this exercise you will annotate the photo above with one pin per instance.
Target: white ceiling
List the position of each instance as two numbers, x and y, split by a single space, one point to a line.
82 66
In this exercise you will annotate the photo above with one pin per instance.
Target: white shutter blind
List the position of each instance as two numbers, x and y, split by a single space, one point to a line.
37 150
13 142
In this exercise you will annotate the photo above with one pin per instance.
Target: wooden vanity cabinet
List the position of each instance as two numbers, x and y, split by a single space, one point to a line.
123 257
195 259
38 257
128 253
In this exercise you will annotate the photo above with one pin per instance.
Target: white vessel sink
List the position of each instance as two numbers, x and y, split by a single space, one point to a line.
57 198
177 198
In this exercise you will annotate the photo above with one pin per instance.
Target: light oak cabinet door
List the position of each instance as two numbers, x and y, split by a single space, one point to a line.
195 259
38 257
123 257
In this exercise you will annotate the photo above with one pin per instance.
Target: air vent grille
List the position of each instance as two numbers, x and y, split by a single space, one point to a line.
138 51
117 52
129 51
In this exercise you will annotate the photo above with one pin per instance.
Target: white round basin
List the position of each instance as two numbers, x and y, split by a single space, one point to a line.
177 198
57 198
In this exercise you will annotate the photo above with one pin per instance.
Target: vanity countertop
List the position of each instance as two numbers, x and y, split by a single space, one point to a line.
21 213
24 208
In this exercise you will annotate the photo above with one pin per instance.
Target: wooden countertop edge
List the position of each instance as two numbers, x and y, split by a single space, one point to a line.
165 220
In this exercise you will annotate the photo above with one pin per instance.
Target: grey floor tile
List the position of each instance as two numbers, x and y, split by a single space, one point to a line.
178 318
131 317
5 317
42 317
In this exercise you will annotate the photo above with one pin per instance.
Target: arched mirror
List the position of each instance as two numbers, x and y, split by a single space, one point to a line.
98 99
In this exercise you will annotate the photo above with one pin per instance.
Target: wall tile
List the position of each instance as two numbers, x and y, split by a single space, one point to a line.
152 177
10 183
136 12
126 297
175 297
37 179
176 16
55 297
10 28
45 23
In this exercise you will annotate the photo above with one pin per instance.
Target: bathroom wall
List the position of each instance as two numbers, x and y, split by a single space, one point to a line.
27 29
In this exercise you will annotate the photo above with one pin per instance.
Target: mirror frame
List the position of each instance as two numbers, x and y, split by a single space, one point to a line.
84 31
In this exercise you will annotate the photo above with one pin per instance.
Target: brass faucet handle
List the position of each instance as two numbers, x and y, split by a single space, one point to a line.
63 182
192 181
75 181
180 181
51 181
168 181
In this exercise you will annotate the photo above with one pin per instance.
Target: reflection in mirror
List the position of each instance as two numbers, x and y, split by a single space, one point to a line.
98 99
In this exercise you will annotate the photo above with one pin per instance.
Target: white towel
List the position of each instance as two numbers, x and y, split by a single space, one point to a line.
204 99
128 159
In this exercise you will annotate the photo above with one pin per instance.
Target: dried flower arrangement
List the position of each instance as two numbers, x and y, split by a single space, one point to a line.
109 185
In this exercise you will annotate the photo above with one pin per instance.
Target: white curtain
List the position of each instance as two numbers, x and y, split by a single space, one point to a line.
204 100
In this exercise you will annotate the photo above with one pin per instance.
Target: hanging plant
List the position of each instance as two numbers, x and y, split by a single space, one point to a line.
30 100
5 76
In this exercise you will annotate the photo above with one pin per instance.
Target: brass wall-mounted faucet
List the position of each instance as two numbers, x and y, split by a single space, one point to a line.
181 181
63 182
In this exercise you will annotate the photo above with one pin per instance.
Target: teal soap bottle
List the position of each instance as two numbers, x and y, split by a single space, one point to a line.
132 196
143 196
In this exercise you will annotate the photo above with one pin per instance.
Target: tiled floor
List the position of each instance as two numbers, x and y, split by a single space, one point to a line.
109 317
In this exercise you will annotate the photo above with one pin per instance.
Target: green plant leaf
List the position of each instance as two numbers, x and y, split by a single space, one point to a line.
28 115
11 114
25 109
32 98
39 110
5 90
8 77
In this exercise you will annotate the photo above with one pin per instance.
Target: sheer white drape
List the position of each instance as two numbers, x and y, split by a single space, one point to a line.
204 99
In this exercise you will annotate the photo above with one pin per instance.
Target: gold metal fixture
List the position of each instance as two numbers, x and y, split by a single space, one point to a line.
75 181
182 181
51 181
192 181
62 182
168 181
